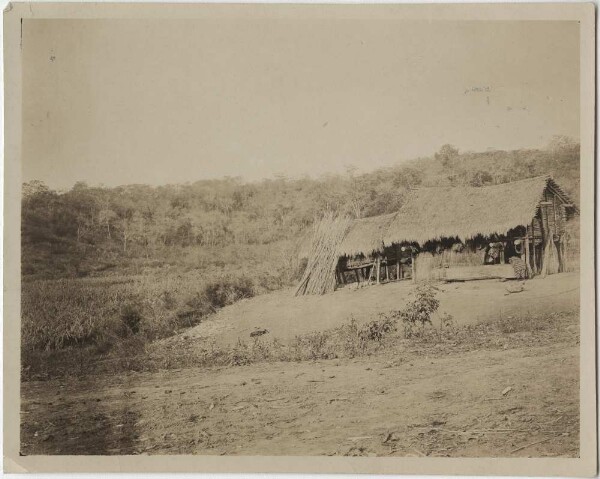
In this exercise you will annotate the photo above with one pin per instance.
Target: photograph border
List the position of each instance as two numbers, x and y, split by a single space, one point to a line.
15 13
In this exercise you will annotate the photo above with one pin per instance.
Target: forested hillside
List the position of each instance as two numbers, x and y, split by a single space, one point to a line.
216 225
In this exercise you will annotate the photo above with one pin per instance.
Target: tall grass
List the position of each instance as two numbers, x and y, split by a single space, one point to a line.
101 311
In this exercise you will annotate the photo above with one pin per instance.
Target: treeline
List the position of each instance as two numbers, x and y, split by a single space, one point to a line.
91 223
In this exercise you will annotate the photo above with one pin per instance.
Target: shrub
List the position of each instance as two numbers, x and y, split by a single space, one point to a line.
418 311
447 325
376 330
239 355
131 317
314 345
194 309
227 291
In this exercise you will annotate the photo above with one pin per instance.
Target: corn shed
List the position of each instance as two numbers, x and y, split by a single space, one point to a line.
516 229
491 231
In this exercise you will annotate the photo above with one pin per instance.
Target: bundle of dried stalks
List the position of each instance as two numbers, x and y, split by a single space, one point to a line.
550 262
319 276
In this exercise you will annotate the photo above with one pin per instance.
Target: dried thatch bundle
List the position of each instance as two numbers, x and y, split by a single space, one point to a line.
550 262
319 276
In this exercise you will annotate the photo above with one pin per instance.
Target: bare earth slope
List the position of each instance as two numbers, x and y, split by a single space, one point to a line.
286 316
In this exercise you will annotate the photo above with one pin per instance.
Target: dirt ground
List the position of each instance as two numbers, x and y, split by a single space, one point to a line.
501 401
286 316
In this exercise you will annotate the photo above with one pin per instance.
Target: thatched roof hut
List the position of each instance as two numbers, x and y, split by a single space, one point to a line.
534 207
365 236
465 212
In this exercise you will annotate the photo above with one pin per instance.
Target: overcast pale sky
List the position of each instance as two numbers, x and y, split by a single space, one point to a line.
169 101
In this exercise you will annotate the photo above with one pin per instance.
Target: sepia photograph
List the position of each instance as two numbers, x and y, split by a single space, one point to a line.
313 231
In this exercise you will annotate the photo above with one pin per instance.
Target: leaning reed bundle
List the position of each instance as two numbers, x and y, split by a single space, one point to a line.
319 276
550 262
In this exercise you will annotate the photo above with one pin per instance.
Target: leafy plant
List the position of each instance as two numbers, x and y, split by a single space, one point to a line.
376 330
417 313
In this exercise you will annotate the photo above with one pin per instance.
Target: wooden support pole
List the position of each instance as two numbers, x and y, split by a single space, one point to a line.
412 267
387 271
398 269
545 238
527 260
555 216
357 276
559 234
535 262
563 241
377 273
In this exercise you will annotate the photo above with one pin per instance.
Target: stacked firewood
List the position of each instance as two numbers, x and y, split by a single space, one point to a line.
319 276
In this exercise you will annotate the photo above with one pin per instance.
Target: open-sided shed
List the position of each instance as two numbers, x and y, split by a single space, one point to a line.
459 226
457 233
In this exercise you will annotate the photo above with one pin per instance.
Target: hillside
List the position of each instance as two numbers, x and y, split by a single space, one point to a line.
215 225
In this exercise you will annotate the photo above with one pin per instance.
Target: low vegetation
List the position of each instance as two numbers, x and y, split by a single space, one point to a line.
90 318
419 326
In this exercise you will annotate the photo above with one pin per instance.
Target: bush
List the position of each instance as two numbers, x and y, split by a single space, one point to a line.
131 317
227 291
314 345
418 311
376 330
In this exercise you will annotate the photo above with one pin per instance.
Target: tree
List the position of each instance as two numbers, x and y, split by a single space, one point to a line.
105 217
481 178
447 156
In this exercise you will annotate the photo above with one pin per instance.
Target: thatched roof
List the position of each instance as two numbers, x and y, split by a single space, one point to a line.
434 213
465 212
365 235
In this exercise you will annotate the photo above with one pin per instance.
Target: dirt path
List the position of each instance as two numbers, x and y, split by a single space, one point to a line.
286 316
388 404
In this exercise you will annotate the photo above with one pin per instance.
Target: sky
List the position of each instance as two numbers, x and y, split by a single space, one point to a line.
170 101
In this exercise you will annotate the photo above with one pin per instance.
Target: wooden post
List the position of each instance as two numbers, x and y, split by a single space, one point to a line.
526 249
535 262
412 266
370 270
398 269
555 216
545 238
378 269
387 271
559 234
357 276
563 241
